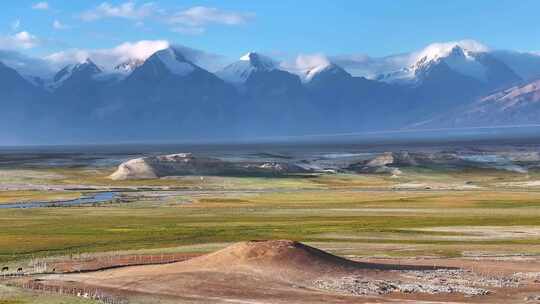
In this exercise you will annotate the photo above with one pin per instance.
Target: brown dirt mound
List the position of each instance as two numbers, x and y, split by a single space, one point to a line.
289 259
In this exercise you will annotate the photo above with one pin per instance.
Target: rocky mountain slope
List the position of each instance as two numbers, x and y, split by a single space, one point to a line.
519 105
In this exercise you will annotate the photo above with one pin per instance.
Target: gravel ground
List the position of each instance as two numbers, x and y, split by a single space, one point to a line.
429 282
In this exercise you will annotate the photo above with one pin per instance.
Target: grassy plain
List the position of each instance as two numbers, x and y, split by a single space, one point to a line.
356 211
445 213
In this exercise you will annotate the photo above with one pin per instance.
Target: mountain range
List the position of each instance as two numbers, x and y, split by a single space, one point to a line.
169 97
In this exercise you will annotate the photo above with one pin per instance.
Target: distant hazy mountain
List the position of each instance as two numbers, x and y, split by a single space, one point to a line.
269 96
74 75
16 92
526 65
353 103
519 105
169 97
21 101
77 91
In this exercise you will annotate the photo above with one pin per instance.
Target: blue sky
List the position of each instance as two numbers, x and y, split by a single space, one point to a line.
231 28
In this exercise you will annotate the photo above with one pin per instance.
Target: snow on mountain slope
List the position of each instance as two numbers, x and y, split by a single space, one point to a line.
465 58
258 61
436 51
465 62
308 67
128 66
326 75
309 74
239 71
460 56
175 62
85 69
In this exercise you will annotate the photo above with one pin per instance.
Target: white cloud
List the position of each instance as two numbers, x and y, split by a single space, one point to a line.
57 25
190 21
188 30
43 5
443 48
25 40
305 65
310 61
200 16
193 21
140 50
356 64
20 40
209 61
371 67
126 10
15 25
109 58
305 62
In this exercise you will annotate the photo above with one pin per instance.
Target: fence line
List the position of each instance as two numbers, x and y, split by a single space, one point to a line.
86 293
47 266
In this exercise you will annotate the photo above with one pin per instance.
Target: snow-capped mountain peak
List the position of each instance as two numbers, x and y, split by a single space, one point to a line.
325 74
436 51
86 68
460 56
308 66
239 71
309 74
259 61
173 61
327 68
458 59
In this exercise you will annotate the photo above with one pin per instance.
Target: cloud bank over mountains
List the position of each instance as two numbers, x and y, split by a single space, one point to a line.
107 59
358 64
